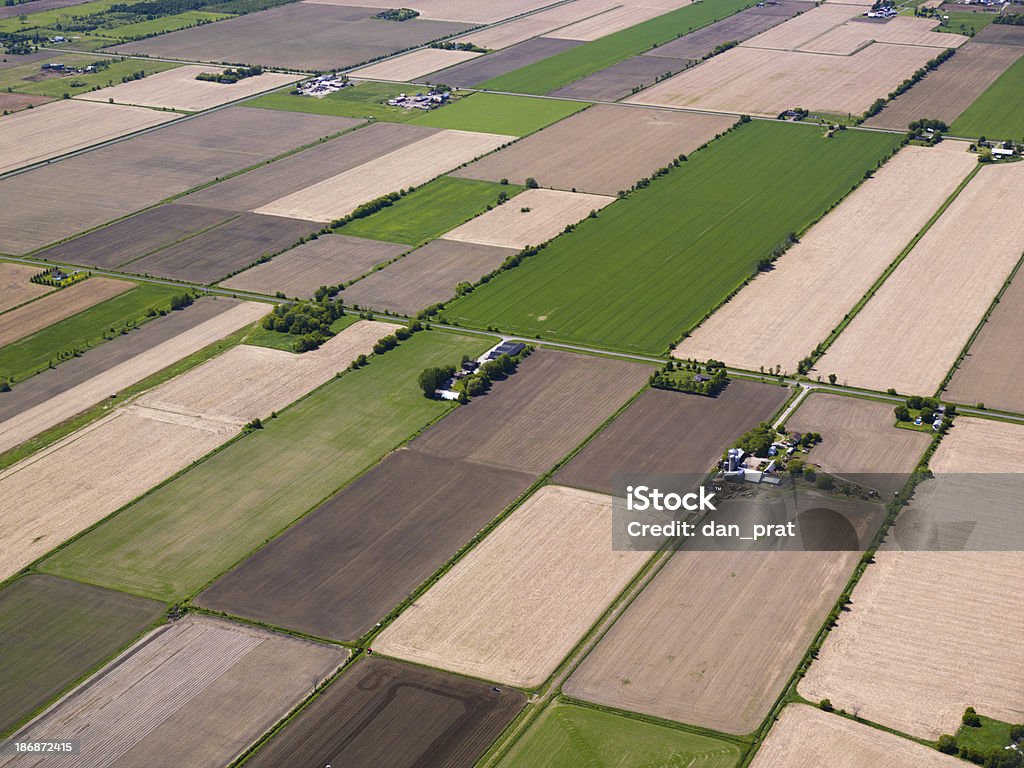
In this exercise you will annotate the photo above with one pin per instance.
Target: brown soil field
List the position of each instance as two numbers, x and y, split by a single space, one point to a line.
1001 34
519 55
26 320
236 244
411 165
645 437
13 102
60 393
560 544
801 29
632 143
54 631
806 737
338 571
328 260
144 170
518 30
178 89
950 89
761 81
546 214
410 66
859 440
249 382
892 341
619 80
608 22
304 36
991 372
301 170
850 37
15 287
54 129
194 694
835 263
385 713
546 409
714 637
426 276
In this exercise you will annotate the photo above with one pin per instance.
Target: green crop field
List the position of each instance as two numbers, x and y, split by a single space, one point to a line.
965 22
569 66
999 112
26 78
32 354
172 542
62 16
430 211
164 24
567 736
362 100
498 113
652 266
261 337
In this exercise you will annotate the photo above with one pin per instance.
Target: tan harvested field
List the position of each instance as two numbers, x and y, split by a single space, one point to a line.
806 737
608 22
26 320
508 226
411 165
426 276
971 444
812 23
822 277
631 142
32 421
761 81
410 66
518 30
454 10
54 129
894 341
328 260
15 287
178 89
192 694
850 37
714 637
513 608
950 89
249 382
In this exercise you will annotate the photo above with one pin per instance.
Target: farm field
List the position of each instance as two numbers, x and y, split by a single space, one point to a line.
411 165
608 22
430 211
1001 34
328 260
499 113
25 75
994 361
320 37
582 288
363 100
619 80
70 125
190 154
567 735
412 716
757 613
848 38
560 543
28 319
455 10
14 102
197 692
945 93
806 737
576 63
644 438
32 354
934 288
15 285
37 5
494 65
822 277
634 142
412 66
163 24
169 544
58 394
178 89
54 631
804 28
533 217
426 276
997 113
536 24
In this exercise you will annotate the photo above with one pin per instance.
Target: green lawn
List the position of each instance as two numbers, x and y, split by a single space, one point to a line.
497 113
563 68
362 100
568 736
32 354
161 25
23 77
55 16
652 266
999 112
430 211
965 22
172 542
993 734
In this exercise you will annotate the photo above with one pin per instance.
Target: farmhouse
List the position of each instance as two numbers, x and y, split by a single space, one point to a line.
424 101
